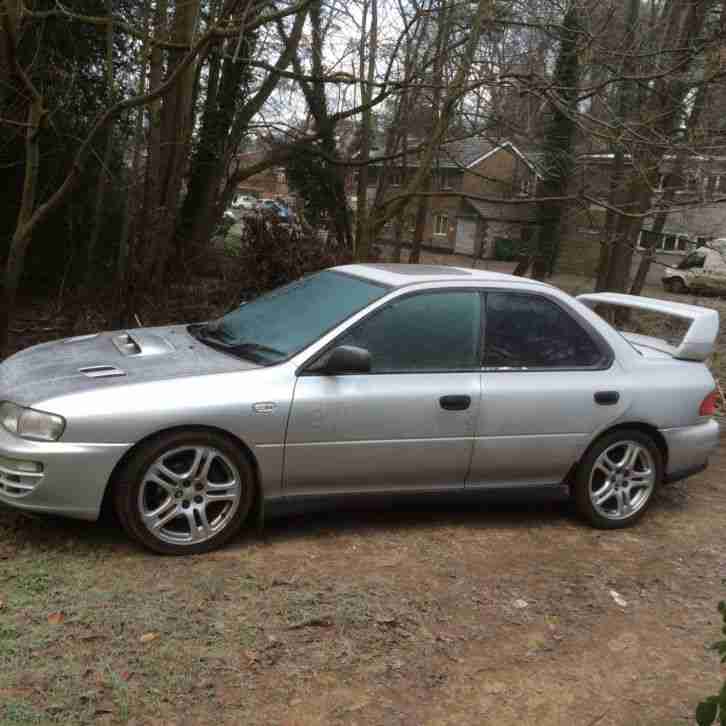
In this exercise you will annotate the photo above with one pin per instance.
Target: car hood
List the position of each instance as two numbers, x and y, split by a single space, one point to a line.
109 359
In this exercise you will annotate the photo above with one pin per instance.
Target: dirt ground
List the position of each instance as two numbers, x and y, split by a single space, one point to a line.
455 614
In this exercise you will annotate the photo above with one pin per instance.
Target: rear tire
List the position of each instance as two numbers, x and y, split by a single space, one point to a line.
617 478
185 492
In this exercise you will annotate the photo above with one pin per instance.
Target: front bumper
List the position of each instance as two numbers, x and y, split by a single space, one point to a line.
689 448
72 482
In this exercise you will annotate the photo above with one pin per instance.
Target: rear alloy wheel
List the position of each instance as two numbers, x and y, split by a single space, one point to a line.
185 493
617 478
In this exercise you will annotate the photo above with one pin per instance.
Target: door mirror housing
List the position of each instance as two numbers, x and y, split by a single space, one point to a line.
345 359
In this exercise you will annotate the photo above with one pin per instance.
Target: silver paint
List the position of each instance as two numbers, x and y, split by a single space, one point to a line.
312 434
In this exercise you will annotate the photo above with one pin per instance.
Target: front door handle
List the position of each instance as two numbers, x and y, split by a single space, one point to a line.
607 398
455 403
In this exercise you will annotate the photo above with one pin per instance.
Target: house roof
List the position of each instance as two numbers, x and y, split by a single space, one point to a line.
466 153
525 211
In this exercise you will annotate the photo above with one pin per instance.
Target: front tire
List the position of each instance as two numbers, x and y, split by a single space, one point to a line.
185 493
617 478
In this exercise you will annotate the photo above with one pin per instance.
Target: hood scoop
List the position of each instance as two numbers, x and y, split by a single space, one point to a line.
141 344
101 372
126 345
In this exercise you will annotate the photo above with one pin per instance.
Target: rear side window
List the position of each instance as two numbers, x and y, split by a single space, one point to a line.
424 332
529 331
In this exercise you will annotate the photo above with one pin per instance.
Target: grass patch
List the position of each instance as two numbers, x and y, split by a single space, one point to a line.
17 712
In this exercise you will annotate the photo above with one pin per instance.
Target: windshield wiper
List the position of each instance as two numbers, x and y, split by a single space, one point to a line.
242 348
249 350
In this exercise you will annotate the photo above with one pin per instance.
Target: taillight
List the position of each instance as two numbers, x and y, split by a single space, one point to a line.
709 405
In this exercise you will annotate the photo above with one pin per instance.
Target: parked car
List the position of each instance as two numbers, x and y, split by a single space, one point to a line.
360 379
244 201
282 211
703 270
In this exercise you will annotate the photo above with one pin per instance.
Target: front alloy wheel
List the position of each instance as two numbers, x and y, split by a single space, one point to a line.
185 493
617 478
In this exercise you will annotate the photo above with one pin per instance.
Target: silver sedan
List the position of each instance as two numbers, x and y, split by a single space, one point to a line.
360 379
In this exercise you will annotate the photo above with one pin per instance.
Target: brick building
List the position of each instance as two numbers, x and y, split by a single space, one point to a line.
458 219
702 180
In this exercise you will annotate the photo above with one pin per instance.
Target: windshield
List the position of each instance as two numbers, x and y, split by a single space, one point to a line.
282 322
695 259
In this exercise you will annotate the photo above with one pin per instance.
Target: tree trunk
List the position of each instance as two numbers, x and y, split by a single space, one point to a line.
152 192
104 176
454 92
362 242
558 145
616 179
668 195
422 208
176 126
685 21
15 264
122 310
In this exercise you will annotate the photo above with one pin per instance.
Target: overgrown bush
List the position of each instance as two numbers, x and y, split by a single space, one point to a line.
271 253
713 709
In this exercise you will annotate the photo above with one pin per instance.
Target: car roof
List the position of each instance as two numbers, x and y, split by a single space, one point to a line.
400 275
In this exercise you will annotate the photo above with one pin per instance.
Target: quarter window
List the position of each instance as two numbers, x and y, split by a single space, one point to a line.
419 333
529 331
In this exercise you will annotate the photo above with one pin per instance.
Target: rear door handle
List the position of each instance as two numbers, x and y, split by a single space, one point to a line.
607 398
455 403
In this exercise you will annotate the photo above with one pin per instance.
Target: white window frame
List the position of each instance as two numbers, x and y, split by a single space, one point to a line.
438 217
680 243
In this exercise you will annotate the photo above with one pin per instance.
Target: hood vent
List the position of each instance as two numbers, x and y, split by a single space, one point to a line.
101 372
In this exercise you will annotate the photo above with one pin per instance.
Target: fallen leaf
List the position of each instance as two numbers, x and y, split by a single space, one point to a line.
148 637
619 599
387 620
56 618
104 707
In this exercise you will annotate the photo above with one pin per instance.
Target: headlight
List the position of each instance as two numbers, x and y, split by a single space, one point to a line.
31 424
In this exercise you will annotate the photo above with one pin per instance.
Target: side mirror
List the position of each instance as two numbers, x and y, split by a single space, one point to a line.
346 359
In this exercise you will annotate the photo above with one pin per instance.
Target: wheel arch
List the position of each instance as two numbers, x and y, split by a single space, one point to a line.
640 426
245 450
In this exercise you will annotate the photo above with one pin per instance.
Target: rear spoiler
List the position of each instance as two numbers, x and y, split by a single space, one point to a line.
698 342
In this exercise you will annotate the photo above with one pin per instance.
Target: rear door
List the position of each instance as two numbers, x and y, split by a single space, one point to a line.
408 424
548 383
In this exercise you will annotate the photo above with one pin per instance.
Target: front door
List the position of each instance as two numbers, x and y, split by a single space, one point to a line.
465 236
408 424
547 385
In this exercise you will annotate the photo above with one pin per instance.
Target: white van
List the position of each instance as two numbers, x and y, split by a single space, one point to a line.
703 270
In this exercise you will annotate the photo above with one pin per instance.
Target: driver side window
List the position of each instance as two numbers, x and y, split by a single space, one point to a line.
426 332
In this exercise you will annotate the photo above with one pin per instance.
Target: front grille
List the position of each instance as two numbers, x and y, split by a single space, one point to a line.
17 484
